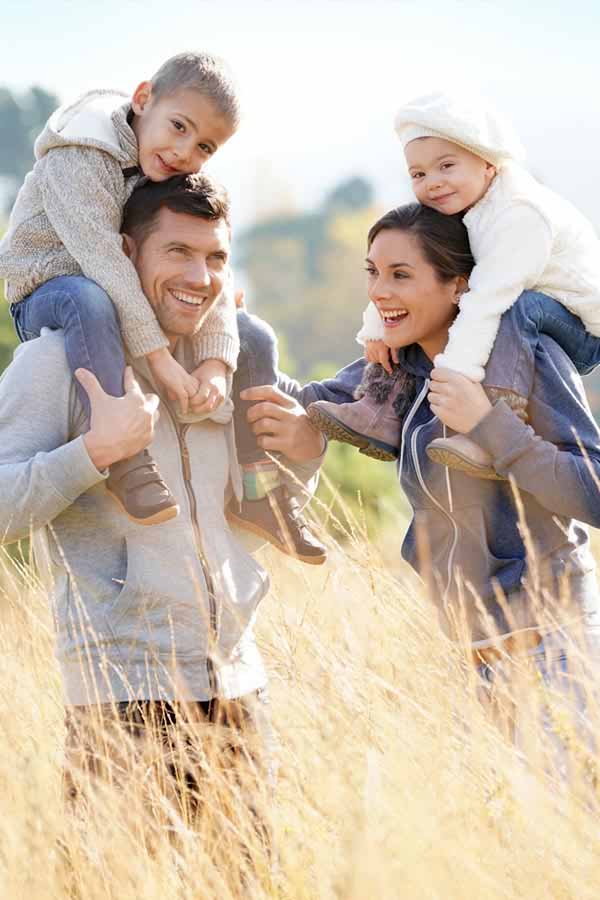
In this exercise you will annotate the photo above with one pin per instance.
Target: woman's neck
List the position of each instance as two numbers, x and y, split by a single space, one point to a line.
435 344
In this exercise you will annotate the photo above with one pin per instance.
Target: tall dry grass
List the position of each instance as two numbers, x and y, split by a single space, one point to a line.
394 780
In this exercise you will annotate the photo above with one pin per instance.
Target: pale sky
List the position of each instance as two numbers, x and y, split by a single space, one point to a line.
321 80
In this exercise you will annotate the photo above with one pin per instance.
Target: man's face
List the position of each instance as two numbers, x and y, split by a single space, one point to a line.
178 133
182 265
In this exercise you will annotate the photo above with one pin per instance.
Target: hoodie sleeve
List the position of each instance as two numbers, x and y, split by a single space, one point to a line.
556 459
42 471
80 189
218 338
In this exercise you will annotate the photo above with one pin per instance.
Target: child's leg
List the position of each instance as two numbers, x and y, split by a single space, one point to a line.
372 422
266 509
511 368
87 316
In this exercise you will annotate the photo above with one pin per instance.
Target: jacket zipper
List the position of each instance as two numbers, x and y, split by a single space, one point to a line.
413 447
212 602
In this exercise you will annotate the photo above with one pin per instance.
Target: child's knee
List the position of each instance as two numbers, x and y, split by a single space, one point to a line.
94 299
256 336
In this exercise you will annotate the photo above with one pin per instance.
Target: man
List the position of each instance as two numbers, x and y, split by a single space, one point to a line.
153 625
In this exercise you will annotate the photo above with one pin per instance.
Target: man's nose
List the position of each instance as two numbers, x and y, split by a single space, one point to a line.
197 273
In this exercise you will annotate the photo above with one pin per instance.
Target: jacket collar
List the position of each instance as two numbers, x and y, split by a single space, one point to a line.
415 361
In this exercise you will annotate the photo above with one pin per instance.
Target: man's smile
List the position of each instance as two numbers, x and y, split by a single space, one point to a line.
189 300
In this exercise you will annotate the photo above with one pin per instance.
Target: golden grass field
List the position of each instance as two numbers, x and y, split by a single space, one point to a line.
394 781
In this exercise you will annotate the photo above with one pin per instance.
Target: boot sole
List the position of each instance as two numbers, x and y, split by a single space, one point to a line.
270 539
337 431
164 515
454 460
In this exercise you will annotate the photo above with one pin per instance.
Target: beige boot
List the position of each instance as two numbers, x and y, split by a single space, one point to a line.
461 453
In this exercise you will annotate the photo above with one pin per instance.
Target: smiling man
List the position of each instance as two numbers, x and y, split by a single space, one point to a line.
153 625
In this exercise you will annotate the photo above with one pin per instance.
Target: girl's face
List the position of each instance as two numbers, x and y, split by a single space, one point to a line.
445 176
414 305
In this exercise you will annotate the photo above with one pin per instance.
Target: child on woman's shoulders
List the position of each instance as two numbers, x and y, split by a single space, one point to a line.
465 160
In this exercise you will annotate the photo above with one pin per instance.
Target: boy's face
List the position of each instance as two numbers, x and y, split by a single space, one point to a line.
176 133
445 176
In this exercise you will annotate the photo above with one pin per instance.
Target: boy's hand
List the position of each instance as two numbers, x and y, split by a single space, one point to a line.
179 384
459 403
378 352
211 376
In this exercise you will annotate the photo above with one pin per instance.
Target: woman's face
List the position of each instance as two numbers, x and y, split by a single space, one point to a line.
415 306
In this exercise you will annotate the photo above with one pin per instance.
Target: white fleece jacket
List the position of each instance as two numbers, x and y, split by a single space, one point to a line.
523 237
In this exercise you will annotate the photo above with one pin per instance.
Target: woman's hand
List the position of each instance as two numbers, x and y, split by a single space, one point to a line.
282 425
459 403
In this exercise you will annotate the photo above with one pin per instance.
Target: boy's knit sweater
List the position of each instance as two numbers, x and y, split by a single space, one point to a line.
67 219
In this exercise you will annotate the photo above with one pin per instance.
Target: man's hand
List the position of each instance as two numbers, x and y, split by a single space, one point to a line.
211 376
120 426
179 384
459 403
378 352
282 424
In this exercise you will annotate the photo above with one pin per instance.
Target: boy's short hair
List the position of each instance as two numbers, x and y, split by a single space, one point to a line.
196 195
210 75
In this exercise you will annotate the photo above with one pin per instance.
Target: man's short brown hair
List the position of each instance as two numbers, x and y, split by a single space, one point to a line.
196 195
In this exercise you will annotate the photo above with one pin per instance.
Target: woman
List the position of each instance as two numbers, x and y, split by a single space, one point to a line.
492 580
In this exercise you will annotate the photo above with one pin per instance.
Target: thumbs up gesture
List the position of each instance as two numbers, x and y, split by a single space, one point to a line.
120 426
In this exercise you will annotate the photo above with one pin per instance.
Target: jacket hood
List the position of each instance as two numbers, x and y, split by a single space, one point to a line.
97 119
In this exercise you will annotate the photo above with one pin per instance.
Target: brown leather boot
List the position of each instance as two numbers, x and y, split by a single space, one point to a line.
461 453
137 486
277 518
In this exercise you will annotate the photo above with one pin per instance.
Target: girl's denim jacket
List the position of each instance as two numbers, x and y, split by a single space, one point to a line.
522 540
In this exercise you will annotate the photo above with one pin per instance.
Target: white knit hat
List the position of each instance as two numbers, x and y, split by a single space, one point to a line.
468 123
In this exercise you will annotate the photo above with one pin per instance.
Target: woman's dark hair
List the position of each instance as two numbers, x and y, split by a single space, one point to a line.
443 239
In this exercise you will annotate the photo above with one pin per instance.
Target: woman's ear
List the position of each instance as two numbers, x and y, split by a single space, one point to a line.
460 288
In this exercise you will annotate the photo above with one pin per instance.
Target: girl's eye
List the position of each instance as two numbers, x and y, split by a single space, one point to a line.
447 165
416 175
179 126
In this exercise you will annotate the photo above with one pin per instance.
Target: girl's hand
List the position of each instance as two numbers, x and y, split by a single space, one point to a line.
459 403
378 352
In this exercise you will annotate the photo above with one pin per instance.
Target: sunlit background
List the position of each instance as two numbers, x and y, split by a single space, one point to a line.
316 158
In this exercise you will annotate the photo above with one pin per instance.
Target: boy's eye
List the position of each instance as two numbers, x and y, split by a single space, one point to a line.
416 175
206 148
179 126
447 165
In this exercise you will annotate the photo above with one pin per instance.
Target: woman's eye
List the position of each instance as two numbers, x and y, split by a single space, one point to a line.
400 275
179 126
370 271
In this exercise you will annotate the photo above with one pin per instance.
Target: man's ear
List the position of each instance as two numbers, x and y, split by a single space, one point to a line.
129 246
141 96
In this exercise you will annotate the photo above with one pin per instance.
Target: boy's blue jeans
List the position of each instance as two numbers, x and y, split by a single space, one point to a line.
86 314
90 323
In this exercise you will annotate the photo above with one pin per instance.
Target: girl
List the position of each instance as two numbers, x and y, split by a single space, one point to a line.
464 161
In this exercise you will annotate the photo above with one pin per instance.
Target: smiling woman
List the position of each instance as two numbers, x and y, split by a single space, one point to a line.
495 592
